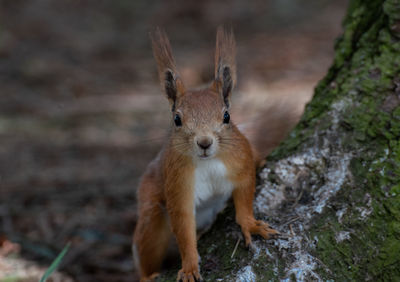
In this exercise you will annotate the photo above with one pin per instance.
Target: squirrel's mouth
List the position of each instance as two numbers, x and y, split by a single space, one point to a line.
204 155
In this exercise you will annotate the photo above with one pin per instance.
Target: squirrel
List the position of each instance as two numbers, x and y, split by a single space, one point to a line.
204 161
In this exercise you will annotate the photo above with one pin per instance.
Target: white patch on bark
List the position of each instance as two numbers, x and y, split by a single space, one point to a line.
340 213
367 210
271 198
303 268
335 177
246 275
288 171
341 236
364 212
256 248
337 110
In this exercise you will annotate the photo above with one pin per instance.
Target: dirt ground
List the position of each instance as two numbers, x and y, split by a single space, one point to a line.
82 113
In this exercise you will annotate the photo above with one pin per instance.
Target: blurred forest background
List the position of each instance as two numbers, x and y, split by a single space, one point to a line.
82 112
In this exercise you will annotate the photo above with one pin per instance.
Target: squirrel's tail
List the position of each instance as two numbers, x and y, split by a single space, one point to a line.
270 126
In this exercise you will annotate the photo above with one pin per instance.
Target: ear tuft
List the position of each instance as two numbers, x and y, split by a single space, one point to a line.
225 63
169 76
170 86
227 84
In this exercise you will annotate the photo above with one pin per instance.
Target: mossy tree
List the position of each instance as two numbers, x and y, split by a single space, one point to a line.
333 186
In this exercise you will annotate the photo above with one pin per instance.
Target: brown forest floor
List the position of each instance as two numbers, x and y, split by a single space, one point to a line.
81 111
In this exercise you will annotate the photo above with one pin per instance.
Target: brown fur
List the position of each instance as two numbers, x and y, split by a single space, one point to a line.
166 192
225 53
165 61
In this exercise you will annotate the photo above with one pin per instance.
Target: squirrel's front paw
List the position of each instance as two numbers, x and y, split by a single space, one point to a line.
192 275
258 227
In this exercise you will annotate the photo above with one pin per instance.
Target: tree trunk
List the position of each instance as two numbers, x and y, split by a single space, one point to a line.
333 187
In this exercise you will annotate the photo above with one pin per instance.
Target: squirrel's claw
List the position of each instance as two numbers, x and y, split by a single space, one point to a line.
259 227
262 228
193 276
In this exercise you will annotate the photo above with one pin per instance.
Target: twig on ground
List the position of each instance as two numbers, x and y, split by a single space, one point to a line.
234 250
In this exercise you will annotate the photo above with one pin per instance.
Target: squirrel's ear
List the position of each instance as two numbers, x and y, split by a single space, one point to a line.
169 76
225 64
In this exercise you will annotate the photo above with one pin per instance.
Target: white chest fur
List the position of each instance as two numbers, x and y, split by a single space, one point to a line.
212 190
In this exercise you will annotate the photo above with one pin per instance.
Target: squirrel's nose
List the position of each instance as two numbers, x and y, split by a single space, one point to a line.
204 142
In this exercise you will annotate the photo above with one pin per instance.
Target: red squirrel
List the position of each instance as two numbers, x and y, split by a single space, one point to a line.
204 162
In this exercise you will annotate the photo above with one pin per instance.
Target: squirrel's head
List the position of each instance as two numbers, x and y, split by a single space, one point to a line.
201 125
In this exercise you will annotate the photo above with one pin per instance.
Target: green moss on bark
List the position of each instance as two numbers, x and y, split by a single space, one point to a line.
367 71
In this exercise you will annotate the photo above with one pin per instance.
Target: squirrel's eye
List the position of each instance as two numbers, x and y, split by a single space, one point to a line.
177 120
227 117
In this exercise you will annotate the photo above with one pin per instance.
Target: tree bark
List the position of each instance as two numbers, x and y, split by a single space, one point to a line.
333 186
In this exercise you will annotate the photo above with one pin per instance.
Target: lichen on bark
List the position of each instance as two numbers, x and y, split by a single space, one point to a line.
333 186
